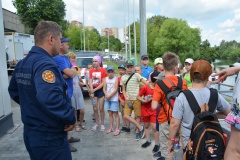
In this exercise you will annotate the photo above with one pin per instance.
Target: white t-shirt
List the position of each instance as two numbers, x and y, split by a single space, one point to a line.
182 110
110 88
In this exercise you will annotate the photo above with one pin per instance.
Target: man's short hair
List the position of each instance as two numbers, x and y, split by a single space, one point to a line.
44 29
170 60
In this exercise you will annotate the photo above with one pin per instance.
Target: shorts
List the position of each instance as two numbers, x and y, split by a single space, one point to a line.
233 117
163 136
136 107
99 93
148 115
111 106
121 108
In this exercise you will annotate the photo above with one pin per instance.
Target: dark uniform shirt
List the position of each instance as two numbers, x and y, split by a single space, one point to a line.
37 85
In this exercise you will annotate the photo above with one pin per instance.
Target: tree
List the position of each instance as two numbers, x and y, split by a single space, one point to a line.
31 12
176 36
92 38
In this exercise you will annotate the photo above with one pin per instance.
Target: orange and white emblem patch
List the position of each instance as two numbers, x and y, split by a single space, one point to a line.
48 76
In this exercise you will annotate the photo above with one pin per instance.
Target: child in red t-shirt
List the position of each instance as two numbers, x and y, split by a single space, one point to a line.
148 115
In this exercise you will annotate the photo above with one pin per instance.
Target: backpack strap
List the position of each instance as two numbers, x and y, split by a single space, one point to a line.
192 101
213 100
179 85
163 86
129 78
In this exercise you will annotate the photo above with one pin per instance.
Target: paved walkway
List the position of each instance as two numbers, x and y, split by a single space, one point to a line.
93 145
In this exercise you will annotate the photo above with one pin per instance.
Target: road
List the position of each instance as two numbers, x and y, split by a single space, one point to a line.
93 146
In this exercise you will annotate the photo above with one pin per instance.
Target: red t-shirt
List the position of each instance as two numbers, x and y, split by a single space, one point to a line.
146 90
120 89
97 76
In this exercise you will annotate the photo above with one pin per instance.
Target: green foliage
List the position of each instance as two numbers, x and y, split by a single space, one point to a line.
114 43
176 36
31 12
92 38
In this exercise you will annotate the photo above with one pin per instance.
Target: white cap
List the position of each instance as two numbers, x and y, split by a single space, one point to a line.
189 60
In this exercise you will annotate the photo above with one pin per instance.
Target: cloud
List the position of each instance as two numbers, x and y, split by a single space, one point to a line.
217 19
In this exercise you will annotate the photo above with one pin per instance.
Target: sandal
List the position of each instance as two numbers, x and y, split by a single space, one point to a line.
102 128
117 132
95 127
109 130
82 126
77 129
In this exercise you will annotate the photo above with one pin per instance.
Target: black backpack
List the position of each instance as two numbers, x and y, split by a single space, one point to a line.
206 139
171 93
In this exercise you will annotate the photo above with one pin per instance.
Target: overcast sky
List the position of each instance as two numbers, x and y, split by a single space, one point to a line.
217 19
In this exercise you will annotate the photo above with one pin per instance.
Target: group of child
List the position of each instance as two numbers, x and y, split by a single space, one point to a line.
133 92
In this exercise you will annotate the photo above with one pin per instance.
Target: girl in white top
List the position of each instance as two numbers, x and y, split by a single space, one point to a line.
110 89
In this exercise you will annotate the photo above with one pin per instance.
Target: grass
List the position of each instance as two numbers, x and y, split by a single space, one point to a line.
115 65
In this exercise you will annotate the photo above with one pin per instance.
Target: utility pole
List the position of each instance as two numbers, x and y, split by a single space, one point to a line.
129 33
124 31
134 28
143 27
84 36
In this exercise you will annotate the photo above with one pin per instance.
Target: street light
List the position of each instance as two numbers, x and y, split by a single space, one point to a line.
83 28
107 34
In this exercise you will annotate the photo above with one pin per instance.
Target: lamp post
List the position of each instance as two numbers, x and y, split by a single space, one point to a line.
134 29
84 36
108 41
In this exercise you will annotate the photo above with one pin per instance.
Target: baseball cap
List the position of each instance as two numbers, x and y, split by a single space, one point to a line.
65 40
160 76
144 56
110 68
158 60
202 67
189 60
129 63
154 76
121 66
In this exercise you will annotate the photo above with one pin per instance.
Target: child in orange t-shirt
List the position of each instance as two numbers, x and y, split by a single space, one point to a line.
170 64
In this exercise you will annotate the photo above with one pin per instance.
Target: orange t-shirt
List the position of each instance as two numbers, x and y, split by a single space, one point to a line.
160 96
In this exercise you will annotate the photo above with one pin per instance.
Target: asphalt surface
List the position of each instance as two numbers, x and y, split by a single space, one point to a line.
93 145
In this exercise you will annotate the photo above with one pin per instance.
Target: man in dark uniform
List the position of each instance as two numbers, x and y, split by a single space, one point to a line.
38 86
68 72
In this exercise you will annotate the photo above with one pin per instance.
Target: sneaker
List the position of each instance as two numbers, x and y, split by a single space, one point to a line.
102 128
127 130
161 158
156 148
137 137
146 144
117 132
142 133
109 131
72 140
157 155
123 129
72 149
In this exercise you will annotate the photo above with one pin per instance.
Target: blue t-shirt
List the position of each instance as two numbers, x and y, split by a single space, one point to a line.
146 71
63 62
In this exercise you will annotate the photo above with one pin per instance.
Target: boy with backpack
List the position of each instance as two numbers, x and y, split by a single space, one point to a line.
193 114
171 83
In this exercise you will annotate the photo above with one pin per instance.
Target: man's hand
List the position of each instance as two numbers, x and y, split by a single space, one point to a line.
223 74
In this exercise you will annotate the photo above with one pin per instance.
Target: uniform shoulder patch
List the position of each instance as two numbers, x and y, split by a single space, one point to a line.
48 76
